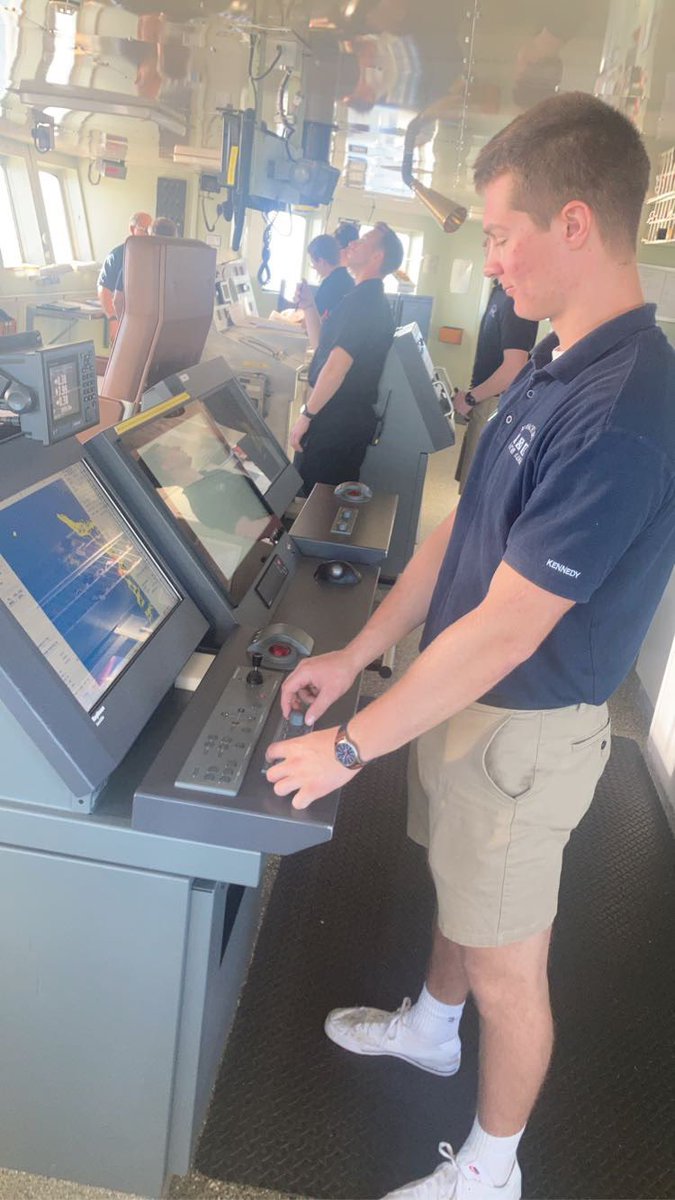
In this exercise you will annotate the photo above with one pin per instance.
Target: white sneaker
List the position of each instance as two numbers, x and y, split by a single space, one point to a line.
372 1031
451 1181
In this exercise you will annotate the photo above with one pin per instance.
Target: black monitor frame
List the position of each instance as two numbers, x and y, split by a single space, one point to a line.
84 748
136 441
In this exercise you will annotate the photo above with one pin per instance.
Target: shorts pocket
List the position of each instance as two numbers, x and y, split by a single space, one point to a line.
600 740
510 757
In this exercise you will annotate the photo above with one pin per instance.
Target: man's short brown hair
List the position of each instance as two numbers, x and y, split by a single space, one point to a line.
392 249
572 147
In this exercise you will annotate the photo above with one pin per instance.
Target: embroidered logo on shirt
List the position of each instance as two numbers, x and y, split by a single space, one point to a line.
521 443
556 566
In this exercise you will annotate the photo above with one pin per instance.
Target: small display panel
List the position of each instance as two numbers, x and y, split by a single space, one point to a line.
80 583
65 394
205 481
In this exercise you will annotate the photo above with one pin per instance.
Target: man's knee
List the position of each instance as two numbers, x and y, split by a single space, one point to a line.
503 977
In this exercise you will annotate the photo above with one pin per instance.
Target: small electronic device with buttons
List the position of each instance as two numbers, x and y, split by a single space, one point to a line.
347 522
218 759
281 646
51 390
292 726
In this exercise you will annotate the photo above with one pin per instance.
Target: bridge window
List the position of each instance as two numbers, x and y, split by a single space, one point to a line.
57 217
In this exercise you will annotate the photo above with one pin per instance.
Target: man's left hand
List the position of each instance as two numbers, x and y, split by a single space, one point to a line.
298 432
307 766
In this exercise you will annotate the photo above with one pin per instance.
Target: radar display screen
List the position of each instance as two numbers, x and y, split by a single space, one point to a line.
79 581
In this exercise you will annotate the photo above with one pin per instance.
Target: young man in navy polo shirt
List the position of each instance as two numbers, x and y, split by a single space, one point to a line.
536 594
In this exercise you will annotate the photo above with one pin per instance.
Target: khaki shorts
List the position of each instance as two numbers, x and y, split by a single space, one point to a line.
493 794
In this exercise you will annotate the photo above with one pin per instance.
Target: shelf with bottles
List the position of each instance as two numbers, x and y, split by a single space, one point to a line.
660 225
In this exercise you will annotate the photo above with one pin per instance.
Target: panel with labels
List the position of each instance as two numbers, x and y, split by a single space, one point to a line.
219 758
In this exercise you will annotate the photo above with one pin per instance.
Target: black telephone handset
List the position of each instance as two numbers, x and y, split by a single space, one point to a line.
281 646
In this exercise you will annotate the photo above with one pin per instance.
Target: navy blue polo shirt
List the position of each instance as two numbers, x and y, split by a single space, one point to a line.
573 485
112 269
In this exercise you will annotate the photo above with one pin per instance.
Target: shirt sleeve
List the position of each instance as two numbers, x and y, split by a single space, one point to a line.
516 333
109 272
355 331
588 506
119 282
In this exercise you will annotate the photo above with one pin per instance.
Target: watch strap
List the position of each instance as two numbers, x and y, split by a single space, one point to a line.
304 412
470 399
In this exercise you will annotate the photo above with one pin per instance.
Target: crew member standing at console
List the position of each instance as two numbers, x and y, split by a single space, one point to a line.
336 424
139 226
536 594
346 233
502 350
336 282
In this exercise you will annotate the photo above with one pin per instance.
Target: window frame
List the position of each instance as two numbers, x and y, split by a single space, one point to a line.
70 190
5 169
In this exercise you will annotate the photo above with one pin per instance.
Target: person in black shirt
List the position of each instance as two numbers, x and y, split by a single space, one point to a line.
346 233
502 350
336 424
336 282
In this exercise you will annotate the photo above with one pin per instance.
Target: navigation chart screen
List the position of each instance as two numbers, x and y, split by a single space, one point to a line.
79 582
201 479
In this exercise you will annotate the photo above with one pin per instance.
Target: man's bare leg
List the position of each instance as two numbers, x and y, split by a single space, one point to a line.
447 979
510 987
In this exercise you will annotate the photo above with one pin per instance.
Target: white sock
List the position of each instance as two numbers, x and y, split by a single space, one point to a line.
433 1020
489 1158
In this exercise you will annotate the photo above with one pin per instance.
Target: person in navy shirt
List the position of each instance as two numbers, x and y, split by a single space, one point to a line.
502 350
535 595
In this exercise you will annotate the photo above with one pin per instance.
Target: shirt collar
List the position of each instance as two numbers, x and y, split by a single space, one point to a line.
592 347
374 284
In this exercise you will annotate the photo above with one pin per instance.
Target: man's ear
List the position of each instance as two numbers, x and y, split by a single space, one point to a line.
577 221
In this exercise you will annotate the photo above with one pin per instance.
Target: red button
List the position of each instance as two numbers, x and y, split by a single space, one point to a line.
279 650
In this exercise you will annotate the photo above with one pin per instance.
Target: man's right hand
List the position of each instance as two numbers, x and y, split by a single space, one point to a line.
304 296
317 683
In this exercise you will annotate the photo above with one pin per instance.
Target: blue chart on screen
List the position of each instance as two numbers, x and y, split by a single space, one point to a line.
85 581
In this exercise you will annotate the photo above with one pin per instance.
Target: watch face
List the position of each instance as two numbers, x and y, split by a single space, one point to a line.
346 754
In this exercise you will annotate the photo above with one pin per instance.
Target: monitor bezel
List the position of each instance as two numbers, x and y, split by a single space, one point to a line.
84 748
238 585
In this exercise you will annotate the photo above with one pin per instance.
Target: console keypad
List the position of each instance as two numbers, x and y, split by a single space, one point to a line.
345 520
220 755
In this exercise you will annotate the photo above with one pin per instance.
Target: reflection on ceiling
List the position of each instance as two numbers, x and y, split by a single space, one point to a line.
433 77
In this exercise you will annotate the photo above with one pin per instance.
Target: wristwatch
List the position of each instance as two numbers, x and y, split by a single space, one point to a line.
346 751
470 399
304 412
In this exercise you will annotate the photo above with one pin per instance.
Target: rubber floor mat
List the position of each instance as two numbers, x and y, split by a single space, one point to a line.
349 923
